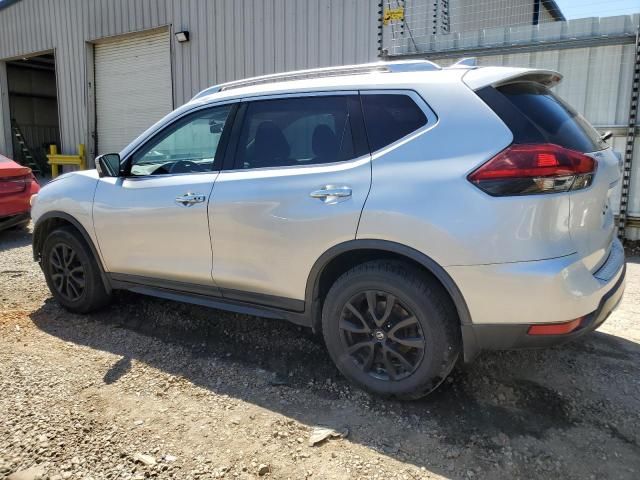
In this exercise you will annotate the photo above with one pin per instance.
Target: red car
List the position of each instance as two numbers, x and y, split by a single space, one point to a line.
17 184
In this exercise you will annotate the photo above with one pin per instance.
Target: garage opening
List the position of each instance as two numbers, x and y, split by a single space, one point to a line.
133 86
33 107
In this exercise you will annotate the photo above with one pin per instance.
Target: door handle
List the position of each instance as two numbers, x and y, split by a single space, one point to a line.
331 194
189 199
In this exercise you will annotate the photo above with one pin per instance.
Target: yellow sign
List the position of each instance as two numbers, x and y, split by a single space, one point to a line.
393 15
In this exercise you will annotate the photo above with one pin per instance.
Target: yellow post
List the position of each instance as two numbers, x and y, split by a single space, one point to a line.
83 163
56 160
53 151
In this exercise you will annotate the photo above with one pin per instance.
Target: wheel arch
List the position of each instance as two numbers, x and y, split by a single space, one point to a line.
54 219
344 256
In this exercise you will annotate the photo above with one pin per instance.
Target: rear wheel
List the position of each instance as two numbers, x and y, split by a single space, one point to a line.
390 329
72 273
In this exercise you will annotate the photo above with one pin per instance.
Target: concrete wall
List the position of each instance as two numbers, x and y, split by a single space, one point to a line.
230 39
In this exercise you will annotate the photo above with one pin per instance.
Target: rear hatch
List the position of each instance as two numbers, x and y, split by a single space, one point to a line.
538 117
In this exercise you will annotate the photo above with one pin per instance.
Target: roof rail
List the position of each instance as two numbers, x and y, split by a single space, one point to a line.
376 67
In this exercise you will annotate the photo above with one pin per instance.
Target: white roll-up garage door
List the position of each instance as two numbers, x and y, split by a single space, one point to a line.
133 87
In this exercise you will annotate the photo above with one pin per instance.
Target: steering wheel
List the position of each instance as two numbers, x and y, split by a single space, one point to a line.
185 166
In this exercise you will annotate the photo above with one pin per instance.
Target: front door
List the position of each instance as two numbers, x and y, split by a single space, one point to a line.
153 223
300 176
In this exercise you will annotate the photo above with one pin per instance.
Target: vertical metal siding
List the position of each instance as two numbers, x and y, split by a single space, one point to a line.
596 79
230 39
597 83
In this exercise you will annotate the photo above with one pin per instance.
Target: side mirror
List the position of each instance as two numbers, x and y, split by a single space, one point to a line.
108 165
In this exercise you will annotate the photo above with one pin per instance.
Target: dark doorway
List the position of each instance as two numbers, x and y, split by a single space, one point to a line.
33 106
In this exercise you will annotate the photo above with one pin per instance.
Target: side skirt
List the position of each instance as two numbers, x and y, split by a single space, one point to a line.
196 295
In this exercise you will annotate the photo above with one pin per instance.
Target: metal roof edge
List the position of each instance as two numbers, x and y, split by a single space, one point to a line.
554 10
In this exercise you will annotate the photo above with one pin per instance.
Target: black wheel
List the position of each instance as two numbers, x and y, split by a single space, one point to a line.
72 273
391 329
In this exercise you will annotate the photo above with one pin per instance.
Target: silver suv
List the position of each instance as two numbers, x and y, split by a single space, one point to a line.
412 214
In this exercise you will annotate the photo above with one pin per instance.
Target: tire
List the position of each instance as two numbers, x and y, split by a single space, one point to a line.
415 320
72 273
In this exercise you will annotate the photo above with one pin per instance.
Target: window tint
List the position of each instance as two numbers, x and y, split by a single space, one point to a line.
535 115
389 117
296 131
189 145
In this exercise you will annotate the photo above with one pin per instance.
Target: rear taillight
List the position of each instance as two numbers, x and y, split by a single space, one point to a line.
534 169
12 185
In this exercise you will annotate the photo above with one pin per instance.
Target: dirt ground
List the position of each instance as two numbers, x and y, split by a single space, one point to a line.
154 389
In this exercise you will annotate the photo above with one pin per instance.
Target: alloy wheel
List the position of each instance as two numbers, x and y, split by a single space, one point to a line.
67 272
381 335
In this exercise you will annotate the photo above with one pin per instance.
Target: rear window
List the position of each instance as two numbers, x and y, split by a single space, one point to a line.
389 117
535 115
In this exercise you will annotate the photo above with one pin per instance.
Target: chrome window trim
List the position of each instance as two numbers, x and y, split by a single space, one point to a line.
362 158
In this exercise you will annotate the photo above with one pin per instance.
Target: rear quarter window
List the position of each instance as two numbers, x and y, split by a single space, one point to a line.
389 117
535 115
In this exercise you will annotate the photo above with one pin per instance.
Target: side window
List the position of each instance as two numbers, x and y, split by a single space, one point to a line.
389 117
297 131
187 146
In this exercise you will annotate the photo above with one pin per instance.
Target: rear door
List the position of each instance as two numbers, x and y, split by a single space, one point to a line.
535 115
297 181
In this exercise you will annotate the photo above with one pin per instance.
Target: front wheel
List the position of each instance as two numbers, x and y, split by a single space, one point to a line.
391 329
72 273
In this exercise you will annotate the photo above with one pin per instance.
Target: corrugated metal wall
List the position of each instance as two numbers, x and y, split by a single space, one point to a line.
597 83
597 78
230 39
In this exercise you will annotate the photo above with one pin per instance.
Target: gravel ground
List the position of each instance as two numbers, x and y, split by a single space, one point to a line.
154 389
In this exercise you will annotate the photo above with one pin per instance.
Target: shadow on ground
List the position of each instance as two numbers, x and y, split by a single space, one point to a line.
14 238
544 400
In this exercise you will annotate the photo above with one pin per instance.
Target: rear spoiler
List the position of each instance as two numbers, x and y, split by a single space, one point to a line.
496 76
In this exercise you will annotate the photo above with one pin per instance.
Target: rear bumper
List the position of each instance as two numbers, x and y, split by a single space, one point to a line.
508 337
13 220
512 298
